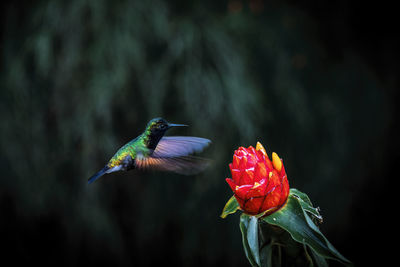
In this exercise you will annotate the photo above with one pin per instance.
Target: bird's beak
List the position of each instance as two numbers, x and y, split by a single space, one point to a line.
175 125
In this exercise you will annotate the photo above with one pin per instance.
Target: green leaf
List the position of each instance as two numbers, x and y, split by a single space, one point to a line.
252 238
294 219
249 230
266 254
319 260
305 203
230 207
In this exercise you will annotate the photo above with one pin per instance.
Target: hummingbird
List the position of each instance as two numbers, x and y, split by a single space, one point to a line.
153 150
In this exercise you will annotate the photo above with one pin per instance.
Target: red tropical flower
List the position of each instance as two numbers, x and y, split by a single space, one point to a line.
259 184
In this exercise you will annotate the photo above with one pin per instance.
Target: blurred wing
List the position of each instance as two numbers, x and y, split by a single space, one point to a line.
177 146
186 165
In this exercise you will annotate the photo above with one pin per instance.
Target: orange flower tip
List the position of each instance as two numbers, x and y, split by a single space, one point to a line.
259 147
276 161
270 174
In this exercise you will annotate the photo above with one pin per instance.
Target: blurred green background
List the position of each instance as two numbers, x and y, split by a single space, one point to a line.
315 82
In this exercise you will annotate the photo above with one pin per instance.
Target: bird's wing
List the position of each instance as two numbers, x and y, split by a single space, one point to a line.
186 165
177 146
173 154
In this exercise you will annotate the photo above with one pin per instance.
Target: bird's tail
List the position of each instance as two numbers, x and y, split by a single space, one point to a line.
98 174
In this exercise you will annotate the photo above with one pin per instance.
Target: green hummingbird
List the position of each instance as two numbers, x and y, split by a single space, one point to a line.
153 150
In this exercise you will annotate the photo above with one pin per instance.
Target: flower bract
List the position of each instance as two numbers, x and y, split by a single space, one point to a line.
259 184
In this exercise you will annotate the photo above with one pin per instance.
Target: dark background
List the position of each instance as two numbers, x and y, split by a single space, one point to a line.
314 81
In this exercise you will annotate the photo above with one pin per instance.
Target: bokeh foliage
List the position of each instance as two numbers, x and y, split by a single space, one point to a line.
81 78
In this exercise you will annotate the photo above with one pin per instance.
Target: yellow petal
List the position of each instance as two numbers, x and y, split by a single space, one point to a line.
259 147
276 161
256 184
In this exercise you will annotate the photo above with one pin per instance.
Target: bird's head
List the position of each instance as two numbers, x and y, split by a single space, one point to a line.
159 126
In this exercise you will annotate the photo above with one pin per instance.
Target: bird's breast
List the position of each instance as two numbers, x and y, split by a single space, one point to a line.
125 161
